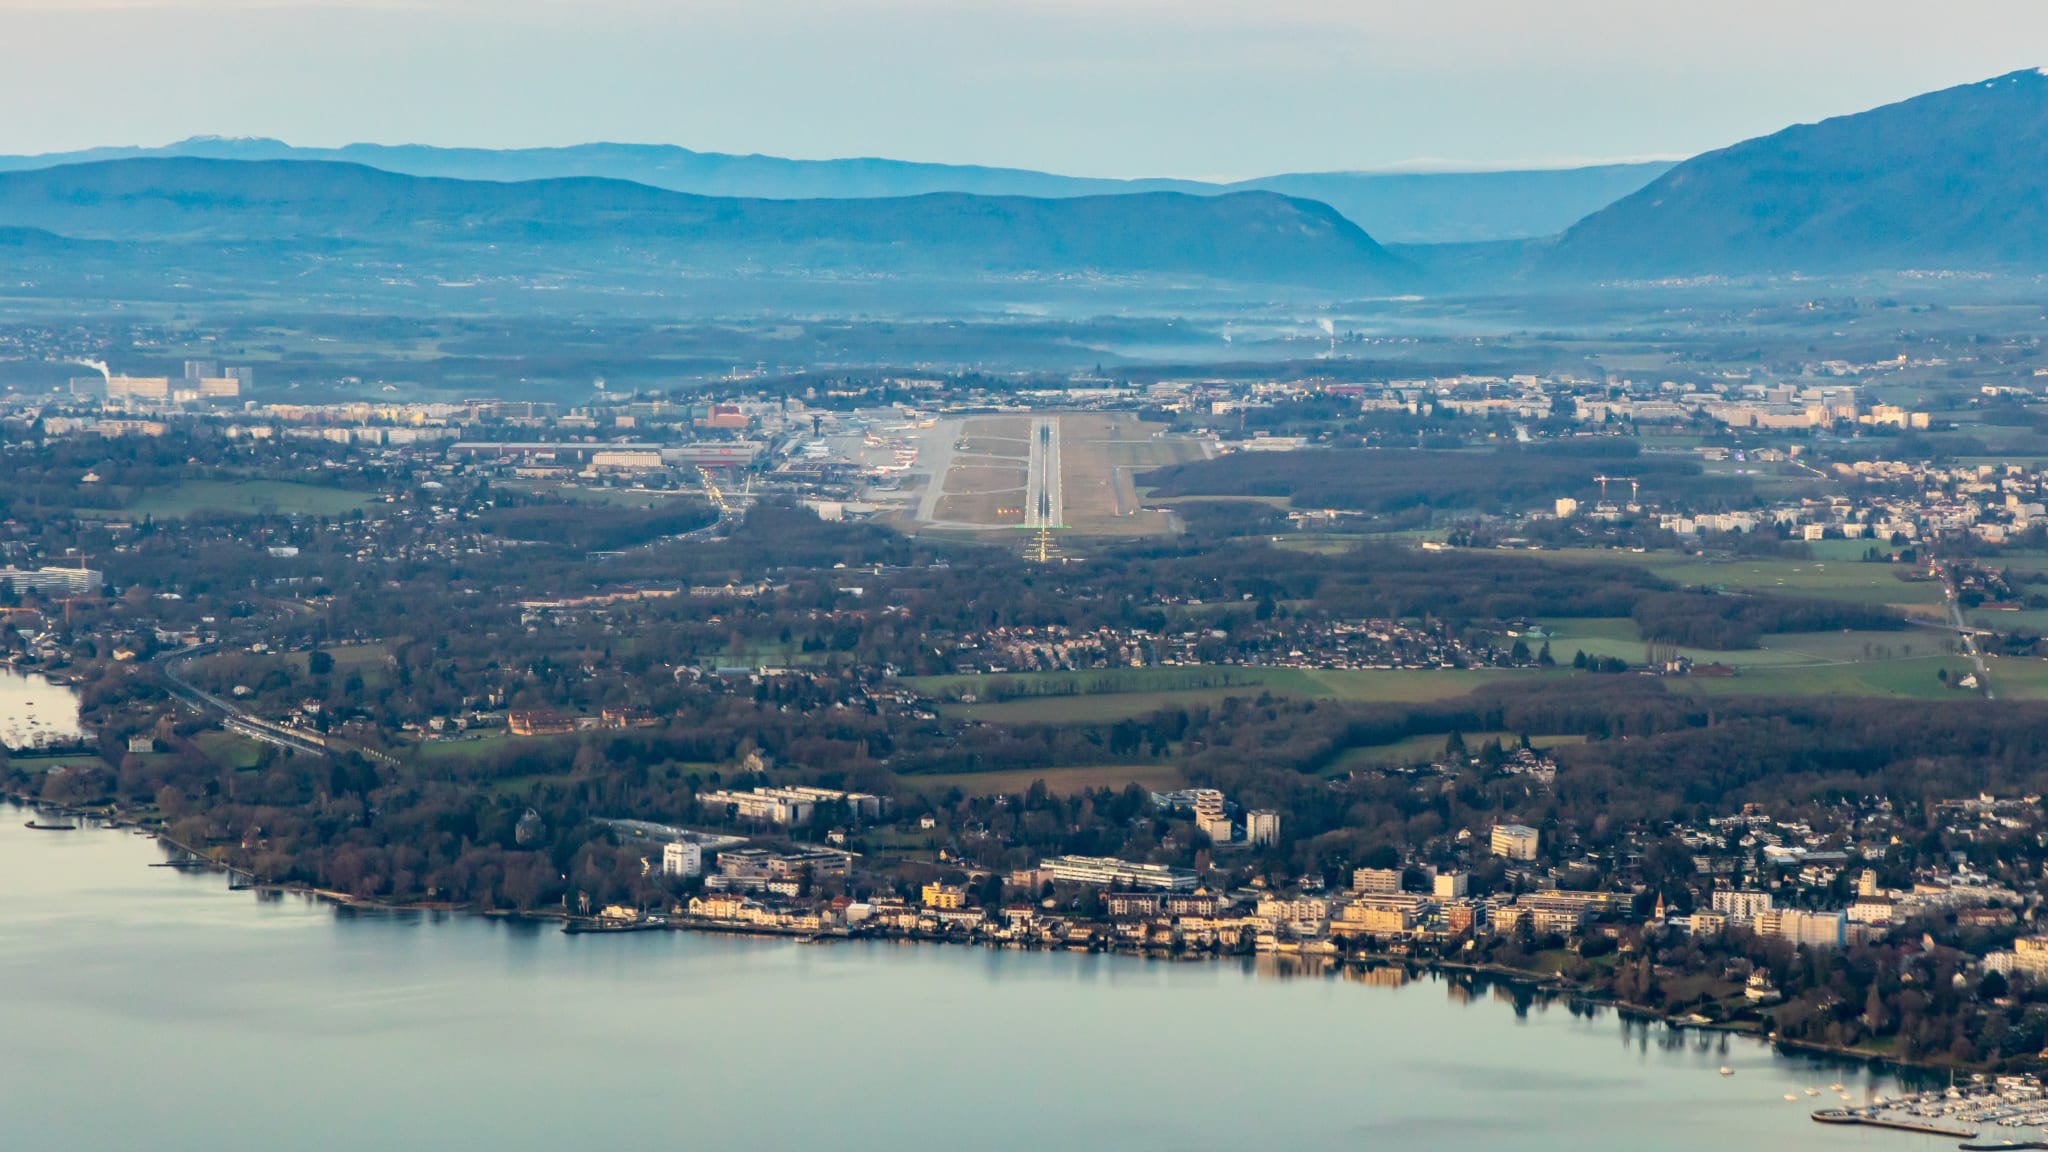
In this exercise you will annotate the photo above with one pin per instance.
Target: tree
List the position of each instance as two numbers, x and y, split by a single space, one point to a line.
1994 986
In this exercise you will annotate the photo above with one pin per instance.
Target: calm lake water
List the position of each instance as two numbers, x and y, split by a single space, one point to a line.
34 711
148 1008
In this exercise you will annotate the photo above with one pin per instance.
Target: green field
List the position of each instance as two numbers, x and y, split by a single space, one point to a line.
1913 679
280 497
2004 621
1618 637
1852 580
1847 663
469 749
1833 579
237 753
2016 677
1118 693
1058 781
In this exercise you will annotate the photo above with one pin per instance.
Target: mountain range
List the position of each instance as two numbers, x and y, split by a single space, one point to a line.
1955 179
1399 207
277 209
1952 180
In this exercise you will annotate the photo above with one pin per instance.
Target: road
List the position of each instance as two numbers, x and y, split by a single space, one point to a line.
231 718
1969 638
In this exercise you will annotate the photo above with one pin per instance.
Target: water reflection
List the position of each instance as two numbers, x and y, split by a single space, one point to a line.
36 712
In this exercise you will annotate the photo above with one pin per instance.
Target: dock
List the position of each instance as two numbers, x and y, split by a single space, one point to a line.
1847 1116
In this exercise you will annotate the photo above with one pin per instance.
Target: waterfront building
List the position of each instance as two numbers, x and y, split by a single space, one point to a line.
1383 914
758 870
1463 916
1515 841
1200 902
944 897
682 859
1108 871
1306 916
1540 919
1139 905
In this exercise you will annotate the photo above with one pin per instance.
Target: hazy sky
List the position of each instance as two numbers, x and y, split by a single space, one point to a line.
1096 87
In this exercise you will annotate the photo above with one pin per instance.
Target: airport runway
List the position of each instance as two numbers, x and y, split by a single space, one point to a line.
1043 507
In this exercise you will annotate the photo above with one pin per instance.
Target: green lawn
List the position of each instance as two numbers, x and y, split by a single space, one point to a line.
466 750
237 753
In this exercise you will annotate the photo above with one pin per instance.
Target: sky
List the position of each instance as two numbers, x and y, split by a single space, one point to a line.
1190 88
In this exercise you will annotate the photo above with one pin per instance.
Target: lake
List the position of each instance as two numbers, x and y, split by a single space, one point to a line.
151 1008
35 711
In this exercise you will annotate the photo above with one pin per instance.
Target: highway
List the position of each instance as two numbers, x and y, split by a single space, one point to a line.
231 718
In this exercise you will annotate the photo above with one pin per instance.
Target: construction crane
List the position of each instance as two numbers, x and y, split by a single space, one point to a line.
1634 485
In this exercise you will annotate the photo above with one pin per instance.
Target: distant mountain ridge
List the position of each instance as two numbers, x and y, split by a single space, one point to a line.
284 206
1954 179
1425 207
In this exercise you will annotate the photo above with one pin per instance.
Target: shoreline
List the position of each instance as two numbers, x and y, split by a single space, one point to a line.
1548 984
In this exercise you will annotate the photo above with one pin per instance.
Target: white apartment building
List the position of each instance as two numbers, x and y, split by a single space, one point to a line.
682 859
1515 841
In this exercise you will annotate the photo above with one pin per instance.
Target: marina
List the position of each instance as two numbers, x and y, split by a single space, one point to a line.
2013 1108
